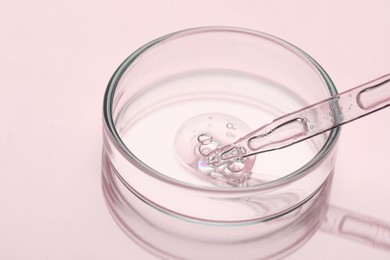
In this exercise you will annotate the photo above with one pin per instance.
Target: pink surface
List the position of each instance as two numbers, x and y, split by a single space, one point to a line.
55 60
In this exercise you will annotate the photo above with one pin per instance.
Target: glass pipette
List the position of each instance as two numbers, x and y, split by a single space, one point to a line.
308 122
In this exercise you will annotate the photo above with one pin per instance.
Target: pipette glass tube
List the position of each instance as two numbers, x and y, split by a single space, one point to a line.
308 122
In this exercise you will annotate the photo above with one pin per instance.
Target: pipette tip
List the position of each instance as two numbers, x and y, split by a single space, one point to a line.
225 154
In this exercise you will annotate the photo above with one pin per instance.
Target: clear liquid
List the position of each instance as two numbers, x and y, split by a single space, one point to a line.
198 137
153 127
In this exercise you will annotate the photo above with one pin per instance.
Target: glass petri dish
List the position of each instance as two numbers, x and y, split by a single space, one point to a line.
184 88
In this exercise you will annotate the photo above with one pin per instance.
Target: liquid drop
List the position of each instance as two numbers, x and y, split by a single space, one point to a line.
199 136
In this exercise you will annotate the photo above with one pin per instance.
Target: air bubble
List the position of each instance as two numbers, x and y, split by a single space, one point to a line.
205 139
231 126
242 150
236 166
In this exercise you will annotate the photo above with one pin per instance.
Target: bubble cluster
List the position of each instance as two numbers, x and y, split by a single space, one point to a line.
200 136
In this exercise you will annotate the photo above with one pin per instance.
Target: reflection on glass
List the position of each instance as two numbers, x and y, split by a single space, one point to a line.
358 227
161 234
173 237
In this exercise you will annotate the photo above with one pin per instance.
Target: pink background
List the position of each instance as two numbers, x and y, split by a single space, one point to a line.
56 58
